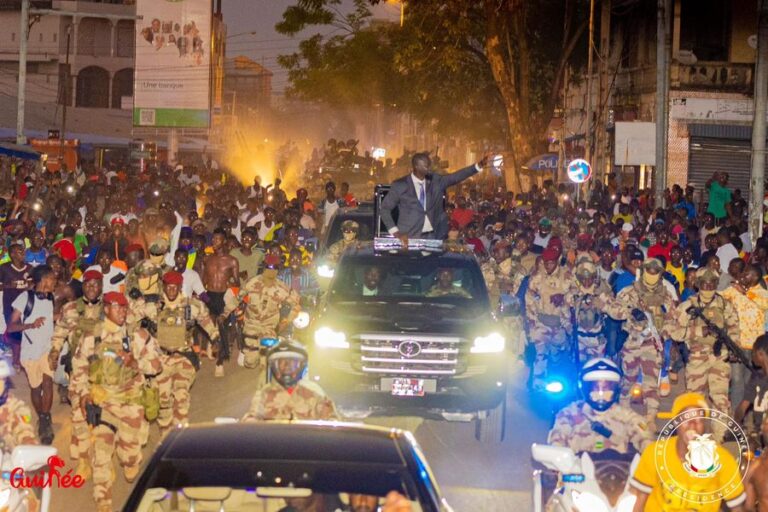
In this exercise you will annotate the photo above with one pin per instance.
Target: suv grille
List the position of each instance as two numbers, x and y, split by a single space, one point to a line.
404 354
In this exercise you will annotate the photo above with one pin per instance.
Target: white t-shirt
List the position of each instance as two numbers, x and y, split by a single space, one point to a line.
107 286
192 283
35 343
726 254
250 219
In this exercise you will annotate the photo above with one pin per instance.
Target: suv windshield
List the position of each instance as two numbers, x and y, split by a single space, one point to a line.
364 233
432 279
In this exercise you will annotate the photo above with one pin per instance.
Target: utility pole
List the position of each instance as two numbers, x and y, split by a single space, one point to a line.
65 100
590 43
662 84
757 176
20 138
604 93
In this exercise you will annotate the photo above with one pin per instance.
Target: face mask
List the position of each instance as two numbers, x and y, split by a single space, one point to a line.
157 260
707 295
349 236
270 274
651 279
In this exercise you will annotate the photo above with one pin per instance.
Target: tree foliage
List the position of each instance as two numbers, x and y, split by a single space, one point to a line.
487 69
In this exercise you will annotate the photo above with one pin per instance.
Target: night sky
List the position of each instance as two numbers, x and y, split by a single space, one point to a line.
265 45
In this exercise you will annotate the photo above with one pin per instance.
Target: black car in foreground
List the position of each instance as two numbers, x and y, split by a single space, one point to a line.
276 466
411 333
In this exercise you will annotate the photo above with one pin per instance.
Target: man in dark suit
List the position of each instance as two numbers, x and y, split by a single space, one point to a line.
419 199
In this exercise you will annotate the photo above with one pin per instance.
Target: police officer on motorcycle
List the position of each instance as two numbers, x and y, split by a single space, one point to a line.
288 396
599 422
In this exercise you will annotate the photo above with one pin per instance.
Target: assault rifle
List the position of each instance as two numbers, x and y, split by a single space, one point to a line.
722 338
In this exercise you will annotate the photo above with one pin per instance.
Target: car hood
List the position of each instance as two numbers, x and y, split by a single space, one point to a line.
406 317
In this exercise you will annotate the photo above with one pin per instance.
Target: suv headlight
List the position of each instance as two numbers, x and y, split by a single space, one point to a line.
325 270
328 338
494 342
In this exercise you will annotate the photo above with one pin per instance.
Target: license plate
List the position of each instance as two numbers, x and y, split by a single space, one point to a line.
408 387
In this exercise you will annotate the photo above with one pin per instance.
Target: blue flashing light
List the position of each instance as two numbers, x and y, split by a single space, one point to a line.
554 387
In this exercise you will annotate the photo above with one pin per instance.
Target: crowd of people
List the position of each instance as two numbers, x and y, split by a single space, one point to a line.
104 275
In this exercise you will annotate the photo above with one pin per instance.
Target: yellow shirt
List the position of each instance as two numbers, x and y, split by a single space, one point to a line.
751 311
679 274
667 487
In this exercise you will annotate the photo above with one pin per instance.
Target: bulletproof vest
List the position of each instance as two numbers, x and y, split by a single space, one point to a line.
106 367
588 317
85 326
654 300
172 332
715 313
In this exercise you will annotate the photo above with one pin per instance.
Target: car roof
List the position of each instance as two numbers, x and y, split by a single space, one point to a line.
284 440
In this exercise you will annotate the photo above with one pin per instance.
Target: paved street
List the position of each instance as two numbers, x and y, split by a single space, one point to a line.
474 476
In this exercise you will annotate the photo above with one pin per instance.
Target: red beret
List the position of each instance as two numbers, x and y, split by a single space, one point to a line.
115 298
555 242
550 254
91 275
173 277
272 261
134 248
118 220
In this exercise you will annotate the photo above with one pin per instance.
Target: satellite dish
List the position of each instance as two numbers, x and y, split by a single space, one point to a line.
752 41
687 57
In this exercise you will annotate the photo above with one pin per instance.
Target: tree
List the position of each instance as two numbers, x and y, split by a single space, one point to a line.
488 69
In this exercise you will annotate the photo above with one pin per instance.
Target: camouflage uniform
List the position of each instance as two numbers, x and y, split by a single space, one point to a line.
78 319
641 355
548 323
306 401
174 335
573 429
508 276
705 373
262 312
146 278
337 249
98 371
15 424
589 317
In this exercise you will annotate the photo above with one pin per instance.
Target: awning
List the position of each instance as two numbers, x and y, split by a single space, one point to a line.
543 162
15 150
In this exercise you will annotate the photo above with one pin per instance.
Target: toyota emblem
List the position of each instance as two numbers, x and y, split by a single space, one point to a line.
409 349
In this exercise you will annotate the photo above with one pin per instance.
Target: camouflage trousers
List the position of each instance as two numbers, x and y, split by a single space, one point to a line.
174 384
591 346
80 440
515 334
710 376
252 347
641 361
123 441
548 341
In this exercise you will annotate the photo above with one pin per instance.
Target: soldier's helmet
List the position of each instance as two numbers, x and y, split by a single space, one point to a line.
6 372
350 226
600 383
287 362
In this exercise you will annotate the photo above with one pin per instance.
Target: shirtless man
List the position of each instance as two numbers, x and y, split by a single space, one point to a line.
756 484
220 272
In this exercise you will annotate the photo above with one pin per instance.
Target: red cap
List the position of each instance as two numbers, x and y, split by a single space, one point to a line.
272 261
134 248
173 277
115 298
118 220
555 242
92 275
550 254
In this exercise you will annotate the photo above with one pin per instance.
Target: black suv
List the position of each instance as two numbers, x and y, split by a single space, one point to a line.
411 333
284 466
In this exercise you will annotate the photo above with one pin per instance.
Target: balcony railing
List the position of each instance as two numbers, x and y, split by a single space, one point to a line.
714 76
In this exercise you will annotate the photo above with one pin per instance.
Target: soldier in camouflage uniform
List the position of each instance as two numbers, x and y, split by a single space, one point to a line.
15 416
598 422
173 317
78 319
349 231
641 356
706 373
263 297
287 396
547 311
587 299
108 379
145 278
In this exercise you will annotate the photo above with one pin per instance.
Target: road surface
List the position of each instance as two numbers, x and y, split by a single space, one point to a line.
473 475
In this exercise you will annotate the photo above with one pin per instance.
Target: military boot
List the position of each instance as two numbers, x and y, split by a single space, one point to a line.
45 428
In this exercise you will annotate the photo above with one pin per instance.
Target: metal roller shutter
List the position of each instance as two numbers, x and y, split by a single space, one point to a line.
708 155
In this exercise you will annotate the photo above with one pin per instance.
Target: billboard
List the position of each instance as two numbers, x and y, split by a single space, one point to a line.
172 69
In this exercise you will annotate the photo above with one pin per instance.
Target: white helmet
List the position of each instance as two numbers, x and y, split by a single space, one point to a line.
600 383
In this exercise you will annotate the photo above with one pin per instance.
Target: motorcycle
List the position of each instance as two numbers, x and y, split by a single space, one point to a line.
299 323
594 482
29 458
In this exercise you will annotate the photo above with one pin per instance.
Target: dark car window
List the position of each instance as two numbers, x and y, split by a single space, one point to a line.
425 279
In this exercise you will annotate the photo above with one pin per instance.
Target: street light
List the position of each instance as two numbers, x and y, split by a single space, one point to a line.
402 9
